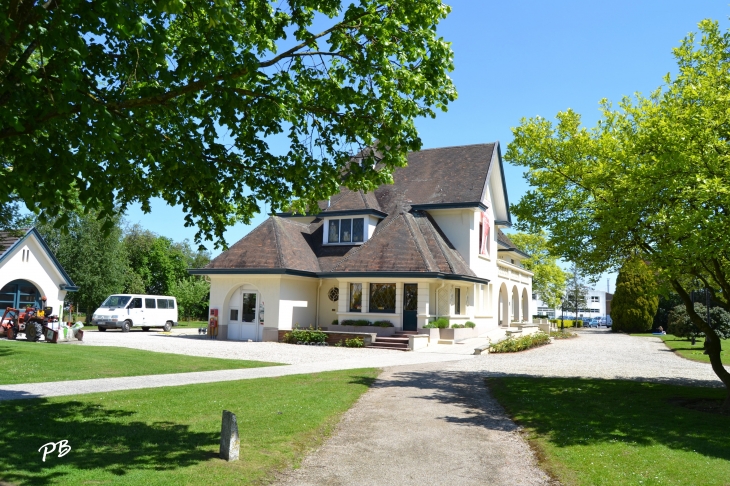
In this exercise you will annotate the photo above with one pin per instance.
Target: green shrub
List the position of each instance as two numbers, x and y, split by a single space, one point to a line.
470 325
440 323
680 325
305 336
513 345
383 324
335 322
567 323
457 326
356 322
636 300
355 342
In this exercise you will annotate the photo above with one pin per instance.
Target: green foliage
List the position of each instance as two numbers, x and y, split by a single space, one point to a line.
470 325
125 101
636 300
383 323
356 322
513 345
156 261
355 342
549 279
305 336
576 291
651 176
94 258
193 296
457 326
680 325
440 323
567 322
335 322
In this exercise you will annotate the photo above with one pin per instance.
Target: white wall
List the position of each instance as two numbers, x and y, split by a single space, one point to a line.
38 270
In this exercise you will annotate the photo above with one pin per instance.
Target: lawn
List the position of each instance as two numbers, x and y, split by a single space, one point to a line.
171 435
609 432
26 362
684 348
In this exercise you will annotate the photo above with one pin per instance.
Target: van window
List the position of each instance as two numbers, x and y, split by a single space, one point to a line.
170 304
136 303
162 303
149 303
115 301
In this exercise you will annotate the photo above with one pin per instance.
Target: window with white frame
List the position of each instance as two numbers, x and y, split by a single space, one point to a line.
595 298
346 230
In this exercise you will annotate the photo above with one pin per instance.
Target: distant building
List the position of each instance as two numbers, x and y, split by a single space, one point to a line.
598 304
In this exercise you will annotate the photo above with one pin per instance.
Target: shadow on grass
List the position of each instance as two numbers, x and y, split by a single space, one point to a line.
101 437
4 352
570 412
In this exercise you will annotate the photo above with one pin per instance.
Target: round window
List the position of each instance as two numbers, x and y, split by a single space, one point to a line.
334 294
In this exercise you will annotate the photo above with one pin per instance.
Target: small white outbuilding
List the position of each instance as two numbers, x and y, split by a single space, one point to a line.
30 271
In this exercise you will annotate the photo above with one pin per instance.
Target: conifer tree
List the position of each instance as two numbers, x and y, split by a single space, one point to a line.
636 299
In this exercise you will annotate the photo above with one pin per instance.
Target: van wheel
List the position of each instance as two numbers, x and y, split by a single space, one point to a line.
167 326
102 328
145 329
126 325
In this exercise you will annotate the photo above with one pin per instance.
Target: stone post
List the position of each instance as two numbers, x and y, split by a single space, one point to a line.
230 443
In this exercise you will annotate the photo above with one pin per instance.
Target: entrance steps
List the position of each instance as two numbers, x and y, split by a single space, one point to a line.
398 342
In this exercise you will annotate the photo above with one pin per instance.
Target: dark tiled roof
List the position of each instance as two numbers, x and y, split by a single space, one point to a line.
276 243
444 175
9 238
406 241
504 240
347 200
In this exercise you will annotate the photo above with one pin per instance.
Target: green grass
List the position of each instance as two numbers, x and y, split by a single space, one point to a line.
26 362
684 348
608 432
167 436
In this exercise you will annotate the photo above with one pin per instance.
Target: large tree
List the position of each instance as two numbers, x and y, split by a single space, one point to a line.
113 103
652 176
576 291
549 279
157 262
636 299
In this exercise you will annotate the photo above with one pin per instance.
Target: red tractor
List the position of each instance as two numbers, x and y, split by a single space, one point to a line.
33 322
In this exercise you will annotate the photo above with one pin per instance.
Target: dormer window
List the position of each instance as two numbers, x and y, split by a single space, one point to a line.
346 230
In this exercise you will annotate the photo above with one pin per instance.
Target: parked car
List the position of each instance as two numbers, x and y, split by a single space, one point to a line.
125 311
593 322
605 321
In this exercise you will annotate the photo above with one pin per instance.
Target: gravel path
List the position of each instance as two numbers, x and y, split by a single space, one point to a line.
599 353
422 426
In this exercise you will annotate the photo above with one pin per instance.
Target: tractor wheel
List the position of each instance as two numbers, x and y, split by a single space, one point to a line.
168 326
145 329
102 329
126 325
33 332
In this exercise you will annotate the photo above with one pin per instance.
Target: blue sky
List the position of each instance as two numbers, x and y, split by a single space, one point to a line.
527 58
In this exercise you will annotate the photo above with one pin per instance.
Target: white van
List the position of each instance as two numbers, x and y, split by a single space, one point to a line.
124 311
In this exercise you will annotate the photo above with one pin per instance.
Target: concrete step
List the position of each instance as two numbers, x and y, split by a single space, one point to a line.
387 344
446 341
406 333
375 346
394 339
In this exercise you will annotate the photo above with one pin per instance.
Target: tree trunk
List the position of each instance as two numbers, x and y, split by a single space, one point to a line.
713 344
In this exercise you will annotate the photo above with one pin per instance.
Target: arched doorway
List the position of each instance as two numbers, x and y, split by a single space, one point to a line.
19 294
246 314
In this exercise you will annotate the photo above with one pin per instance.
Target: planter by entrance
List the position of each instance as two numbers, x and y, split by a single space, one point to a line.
457 334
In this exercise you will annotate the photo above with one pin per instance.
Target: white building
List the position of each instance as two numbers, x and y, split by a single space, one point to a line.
29 271
598 304
427 246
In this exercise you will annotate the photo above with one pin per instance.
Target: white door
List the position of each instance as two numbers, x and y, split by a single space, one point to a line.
151 315
135 312
249 317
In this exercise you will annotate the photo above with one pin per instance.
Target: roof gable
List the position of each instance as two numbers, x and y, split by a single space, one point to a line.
11 241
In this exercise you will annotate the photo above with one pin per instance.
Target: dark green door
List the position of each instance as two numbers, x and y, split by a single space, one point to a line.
410 307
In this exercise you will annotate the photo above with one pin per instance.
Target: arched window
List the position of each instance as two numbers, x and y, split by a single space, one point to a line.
19 294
